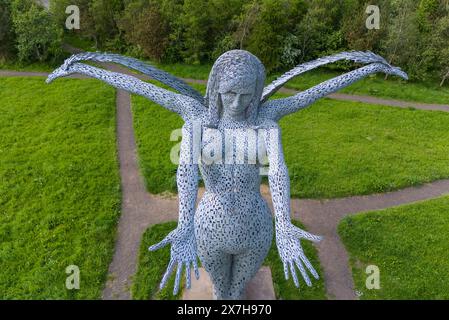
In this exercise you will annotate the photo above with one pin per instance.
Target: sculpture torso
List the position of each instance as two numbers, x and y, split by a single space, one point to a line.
232 199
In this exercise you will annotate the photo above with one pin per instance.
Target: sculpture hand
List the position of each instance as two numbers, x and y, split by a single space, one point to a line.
289 246
183 253
395 71
58 73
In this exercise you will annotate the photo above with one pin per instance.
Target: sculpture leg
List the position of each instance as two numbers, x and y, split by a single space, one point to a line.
218 265
244 268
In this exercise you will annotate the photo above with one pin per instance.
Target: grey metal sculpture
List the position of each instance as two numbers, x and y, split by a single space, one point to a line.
232 227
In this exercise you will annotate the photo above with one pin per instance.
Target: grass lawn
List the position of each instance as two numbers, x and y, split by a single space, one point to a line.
333 149
59 186
33 67
14 65
152 266
409 244
377 86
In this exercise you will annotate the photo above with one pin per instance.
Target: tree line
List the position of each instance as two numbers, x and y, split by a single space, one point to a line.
413 34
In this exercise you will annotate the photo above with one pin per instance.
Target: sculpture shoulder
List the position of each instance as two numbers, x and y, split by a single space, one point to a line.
193 110
196 122
267 123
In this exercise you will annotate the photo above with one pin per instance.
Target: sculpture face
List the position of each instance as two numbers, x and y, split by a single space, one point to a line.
235 87
236 97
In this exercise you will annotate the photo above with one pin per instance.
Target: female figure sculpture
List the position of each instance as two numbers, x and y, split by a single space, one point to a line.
231 229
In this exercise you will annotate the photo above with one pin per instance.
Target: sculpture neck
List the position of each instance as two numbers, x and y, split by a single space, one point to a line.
227 122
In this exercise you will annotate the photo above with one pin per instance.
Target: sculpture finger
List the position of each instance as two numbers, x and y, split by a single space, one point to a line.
167 273
307 235
309 265
286 271
178 278
54 75
303 272
195 267
294 276
188 276
159 245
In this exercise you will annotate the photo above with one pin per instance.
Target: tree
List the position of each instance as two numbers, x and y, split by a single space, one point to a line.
145 27
264 27
195 26
38 36
104 15
319 31
402 43
442 40
356 35
224 17
6 30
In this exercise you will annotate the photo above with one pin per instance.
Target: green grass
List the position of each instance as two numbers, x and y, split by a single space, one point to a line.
152 266
333 149
59 186
409 244
198 72
13 64
377 86
31 67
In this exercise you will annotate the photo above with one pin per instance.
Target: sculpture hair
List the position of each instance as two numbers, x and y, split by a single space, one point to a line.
230 65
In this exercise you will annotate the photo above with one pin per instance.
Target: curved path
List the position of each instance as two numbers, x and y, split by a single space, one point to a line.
141 209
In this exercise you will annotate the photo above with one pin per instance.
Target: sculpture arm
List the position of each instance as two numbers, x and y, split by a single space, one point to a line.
276 109
278 178
147 69
187 176
356 56
188 108
183 251
288 236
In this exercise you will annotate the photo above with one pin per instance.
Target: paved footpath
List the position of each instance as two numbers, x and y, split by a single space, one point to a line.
141 209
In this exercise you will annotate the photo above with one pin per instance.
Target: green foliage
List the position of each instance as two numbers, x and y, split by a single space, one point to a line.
145 28
6 30
403 33
409 244
38 38
59 187
270 29
104 15
152 266
319 30
356 35
413 34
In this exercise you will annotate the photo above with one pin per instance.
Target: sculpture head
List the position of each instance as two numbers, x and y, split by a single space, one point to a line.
235 87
